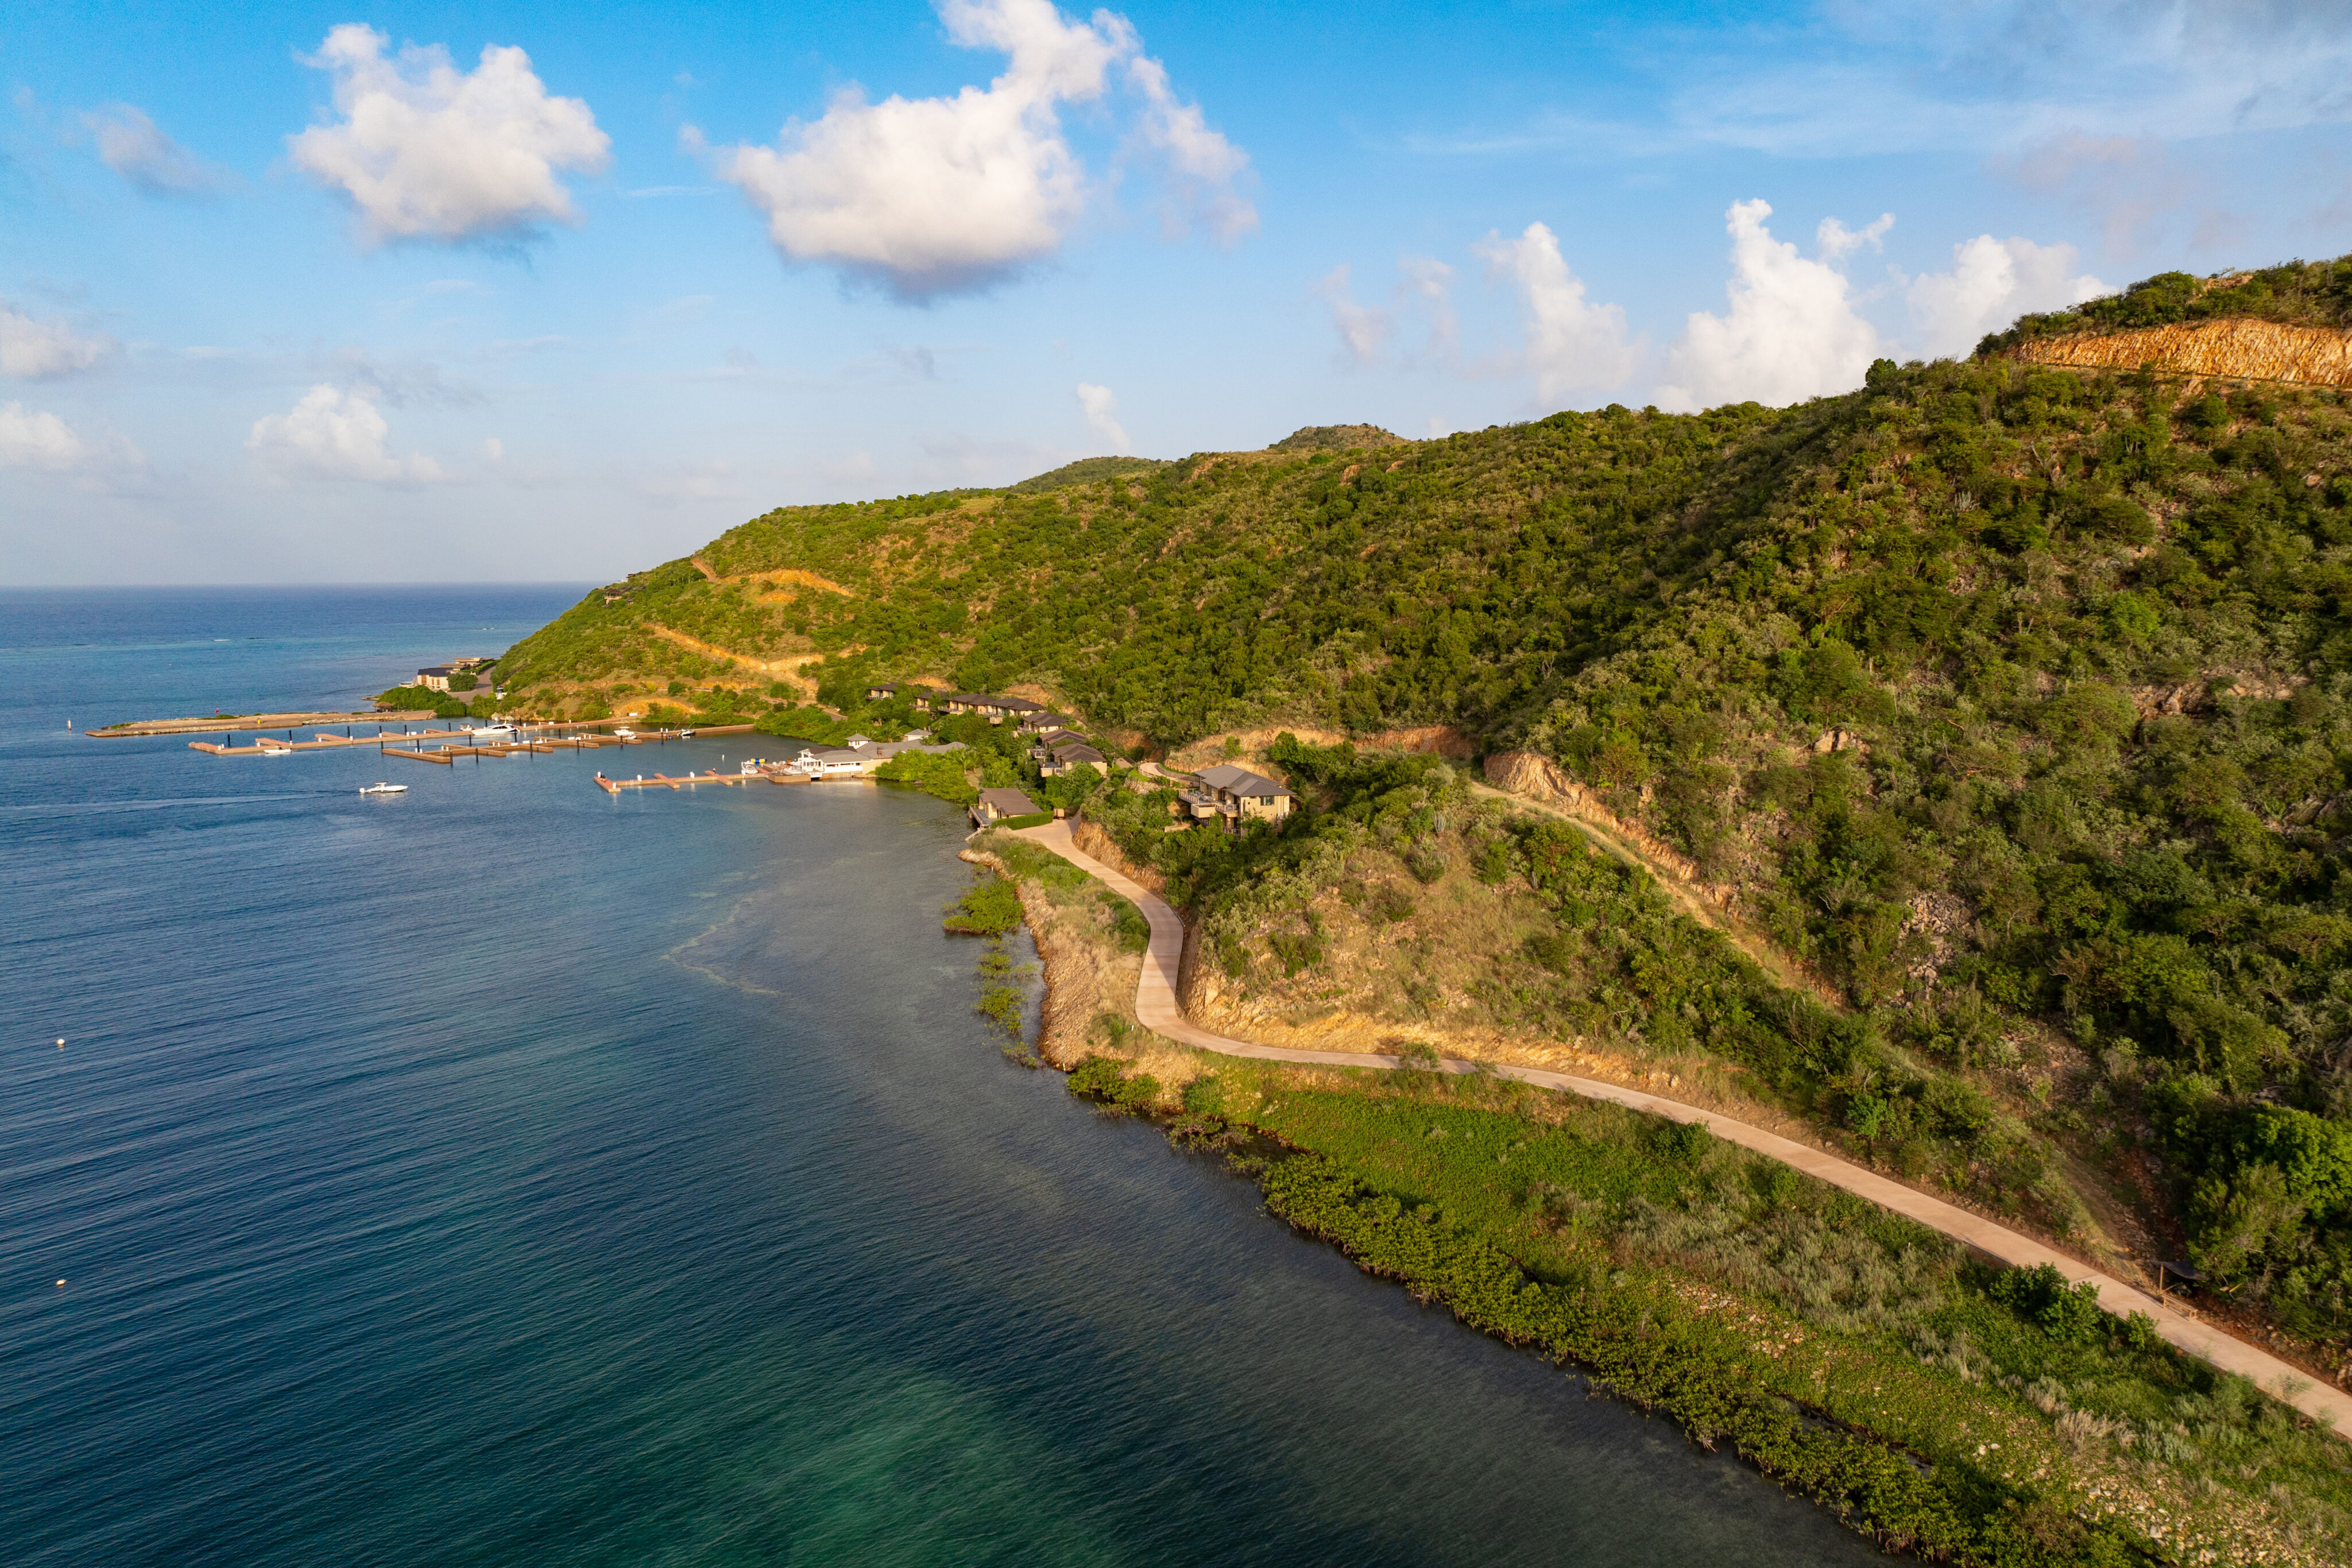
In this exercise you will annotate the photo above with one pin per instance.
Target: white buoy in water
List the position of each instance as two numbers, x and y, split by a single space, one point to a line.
62 1284
61 1045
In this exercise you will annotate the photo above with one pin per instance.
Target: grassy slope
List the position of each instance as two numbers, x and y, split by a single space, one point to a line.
2091 647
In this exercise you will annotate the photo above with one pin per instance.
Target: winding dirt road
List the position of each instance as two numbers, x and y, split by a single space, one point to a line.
1155 1008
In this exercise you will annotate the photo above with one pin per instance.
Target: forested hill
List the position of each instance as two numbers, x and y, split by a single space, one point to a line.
2018 697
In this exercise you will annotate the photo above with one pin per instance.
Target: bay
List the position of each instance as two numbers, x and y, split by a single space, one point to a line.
505 1173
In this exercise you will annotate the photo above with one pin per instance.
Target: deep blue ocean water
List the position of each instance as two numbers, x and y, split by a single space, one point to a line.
505 1173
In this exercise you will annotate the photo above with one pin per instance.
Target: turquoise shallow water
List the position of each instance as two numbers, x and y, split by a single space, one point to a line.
508 1174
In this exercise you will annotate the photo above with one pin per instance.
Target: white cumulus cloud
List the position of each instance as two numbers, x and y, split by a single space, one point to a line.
334 433
35 439
36 351
1571 342
136 148
1792 332
426 151
1992 282
934 195
1102 413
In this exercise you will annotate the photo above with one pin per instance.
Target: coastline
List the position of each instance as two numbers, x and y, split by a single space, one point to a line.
1146 1072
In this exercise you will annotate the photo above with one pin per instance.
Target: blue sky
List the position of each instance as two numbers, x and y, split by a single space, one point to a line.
311 294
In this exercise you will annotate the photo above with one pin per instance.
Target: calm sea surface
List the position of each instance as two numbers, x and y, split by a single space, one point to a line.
503 1172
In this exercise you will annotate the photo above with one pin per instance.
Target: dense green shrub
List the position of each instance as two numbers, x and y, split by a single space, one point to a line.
989 908
934 773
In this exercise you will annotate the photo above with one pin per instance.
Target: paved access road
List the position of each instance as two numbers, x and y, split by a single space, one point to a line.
1155 1008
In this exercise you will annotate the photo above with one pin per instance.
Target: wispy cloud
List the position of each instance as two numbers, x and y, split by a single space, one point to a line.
1876 76
1101 407
1423 290
134 147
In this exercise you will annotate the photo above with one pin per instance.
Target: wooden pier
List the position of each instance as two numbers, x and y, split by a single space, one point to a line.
664 781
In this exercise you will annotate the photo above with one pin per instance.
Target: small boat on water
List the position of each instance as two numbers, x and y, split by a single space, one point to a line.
492 734
384 789
685 734
625 733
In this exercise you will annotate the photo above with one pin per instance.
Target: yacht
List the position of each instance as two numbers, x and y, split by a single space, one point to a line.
492 734
625 733
381 788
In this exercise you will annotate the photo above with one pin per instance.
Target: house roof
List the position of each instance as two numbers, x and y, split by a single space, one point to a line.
1075 750
1018 704
1236 781
1008 802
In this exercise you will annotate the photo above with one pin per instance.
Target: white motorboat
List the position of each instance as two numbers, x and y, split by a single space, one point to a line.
625 733
384 789
492 734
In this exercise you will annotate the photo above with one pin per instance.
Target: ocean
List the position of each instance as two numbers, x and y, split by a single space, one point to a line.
508 1172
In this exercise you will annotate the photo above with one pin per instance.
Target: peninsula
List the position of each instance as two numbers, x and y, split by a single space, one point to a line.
1954 777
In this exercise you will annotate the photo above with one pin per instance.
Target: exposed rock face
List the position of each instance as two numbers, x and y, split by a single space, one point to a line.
2236 348
1531 773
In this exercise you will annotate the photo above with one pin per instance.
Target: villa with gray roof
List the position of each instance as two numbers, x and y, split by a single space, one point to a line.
1236 797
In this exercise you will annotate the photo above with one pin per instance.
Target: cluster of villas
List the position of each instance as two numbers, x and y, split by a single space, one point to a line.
1229 796
957 705
1054 748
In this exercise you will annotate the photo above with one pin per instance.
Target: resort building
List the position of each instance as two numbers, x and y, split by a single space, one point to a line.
859 758
1071 753
995 710
1041 720
1237 796
996 805
436 677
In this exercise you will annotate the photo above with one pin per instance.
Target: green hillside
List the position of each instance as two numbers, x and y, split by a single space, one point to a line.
2299 293
2014 703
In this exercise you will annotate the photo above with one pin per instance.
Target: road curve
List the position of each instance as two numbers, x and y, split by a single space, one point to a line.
1155 1008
